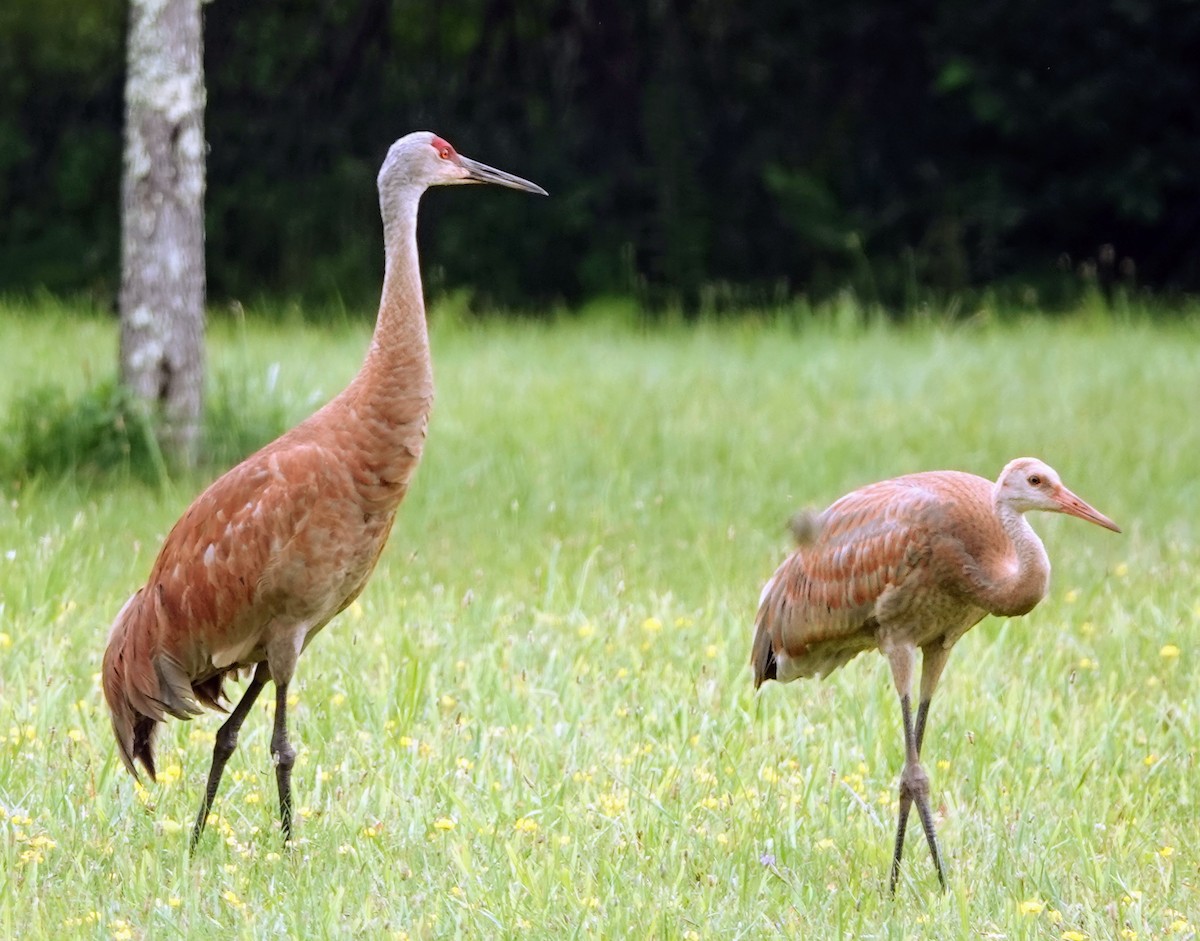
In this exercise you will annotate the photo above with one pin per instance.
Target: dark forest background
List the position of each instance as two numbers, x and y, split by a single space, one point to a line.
705 153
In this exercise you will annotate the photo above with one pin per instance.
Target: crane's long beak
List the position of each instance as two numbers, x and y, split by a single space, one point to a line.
1073 506
481 173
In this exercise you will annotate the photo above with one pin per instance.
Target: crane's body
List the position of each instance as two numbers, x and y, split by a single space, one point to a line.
276 547
905 564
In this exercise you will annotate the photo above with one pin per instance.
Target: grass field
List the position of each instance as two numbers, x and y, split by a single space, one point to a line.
539 721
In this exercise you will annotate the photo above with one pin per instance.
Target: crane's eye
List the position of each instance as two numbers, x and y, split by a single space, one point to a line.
444 153
1035 480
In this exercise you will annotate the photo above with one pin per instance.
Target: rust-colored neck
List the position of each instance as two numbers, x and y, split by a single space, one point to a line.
392 394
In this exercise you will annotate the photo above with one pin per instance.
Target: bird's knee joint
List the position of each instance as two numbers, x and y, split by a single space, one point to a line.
914 782
225 744
284 755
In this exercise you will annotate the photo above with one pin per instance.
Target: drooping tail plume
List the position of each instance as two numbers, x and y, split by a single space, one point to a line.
143 684
133 730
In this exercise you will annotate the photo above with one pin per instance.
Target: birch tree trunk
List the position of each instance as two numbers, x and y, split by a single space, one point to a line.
162 220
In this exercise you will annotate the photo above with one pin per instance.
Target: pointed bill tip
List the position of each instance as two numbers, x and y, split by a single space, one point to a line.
1073 506
481 173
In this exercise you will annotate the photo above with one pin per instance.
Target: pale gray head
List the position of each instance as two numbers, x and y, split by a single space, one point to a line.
422 159
1029 484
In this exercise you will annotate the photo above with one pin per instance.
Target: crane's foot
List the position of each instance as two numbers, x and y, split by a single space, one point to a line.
914 789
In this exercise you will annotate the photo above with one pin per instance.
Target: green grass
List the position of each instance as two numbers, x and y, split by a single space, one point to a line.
552 657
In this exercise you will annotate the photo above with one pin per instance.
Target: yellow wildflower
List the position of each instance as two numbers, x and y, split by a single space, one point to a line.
614 802
1166 851
526 825
1168 651
585 630
652 625
1073 936
444 823
1032 907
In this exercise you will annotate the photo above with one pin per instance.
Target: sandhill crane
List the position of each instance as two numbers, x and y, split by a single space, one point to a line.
276 547
913 562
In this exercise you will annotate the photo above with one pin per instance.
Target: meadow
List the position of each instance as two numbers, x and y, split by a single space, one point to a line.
539 721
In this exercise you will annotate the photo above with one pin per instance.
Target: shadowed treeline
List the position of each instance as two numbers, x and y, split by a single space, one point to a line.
696 152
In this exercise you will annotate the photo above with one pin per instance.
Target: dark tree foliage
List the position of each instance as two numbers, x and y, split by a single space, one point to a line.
704 151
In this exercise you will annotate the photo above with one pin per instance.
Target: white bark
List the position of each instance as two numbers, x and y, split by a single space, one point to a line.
162 219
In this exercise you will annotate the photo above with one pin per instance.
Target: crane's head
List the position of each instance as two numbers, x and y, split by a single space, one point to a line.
1029 484
423 159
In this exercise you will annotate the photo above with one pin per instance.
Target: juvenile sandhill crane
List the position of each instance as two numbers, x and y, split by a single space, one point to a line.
913 562
276 547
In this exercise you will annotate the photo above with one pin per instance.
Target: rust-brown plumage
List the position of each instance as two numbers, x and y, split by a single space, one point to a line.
280 544
913 562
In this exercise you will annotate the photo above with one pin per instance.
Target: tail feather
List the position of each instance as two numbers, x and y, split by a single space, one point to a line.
805 526
762 654
131 687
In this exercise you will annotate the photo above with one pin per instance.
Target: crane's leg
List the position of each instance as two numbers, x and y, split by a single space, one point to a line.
227 738
283 650
285 757
914 782
933 661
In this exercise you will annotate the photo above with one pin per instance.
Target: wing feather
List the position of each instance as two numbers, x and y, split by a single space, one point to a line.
821 605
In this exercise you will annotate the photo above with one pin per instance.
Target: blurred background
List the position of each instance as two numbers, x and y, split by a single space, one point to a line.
702 155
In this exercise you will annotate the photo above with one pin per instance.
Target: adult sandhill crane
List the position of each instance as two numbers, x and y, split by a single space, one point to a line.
913 562
276 547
